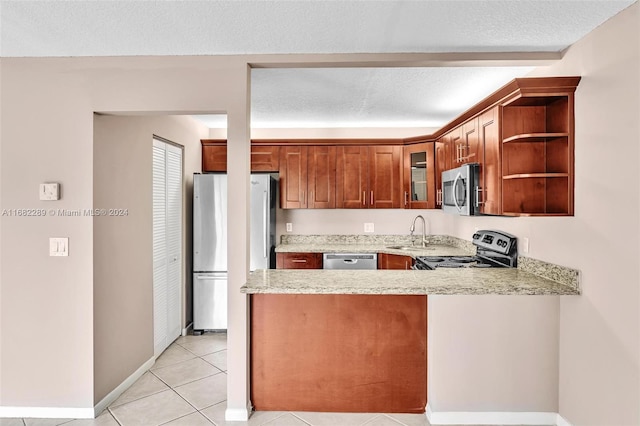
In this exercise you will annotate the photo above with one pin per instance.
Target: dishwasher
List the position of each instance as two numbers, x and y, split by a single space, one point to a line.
350 261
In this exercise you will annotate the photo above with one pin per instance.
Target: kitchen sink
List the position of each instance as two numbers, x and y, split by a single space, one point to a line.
409 248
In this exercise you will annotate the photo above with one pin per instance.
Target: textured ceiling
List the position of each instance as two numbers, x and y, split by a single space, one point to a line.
415 97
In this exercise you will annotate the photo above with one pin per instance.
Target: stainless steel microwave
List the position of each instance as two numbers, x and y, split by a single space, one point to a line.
460 190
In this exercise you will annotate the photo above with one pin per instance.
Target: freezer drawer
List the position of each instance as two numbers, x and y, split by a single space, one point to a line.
210 301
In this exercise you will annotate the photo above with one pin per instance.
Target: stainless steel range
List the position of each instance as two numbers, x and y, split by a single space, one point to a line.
494 249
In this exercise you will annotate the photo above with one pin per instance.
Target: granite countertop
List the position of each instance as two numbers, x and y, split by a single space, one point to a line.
462 281
531 277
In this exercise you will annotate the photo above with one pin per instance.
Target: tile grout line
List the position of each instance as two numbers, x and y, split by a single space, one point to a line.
299 418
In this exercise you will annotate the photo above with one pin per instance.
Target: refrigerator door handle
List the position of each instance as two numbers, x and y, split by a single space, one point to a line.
265 220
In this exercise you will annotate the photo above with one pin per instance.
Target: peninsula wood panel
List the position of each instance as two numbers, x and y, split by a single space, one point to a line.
339 353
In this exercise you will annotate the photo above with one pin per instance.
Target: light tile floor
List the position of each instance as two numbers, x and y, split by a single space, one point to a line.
187 386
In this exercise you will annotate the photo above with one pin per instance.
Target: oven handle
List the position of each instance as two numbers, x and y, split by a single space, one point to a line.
455 198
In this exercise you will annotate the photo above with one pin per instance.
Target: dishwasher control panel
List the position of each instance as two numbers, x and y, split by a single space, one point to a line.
350 261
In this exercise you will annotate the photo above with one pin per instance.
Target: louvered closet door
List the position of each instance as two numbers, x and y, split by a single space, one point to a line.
167 243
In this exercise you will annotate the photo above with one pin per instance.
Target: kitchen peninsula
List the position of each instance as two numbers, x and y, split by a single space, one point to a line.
356 341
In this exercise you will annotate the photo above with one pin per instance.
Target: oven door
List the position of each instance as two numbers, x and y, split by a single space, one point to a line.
458 188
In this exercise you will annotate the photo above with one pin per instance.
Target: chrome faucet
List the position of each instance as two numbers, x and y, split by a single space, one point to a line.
424 230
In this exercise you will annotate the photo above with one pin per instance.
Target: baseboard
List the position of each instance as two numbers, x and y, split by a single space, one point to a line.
185 331
114 394
47 412
491 418
562 421
238 414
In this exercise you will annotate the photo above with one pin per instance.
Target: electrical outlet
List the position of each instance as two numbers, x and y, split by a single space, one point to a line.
289 227
523 245
368 227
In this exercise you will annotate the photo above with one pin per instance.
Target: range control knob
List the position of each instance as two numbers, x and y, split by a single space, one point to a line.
476 236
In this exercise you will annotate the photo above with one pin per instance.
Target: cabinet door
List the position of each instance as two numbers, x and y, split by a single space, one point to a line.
351 177
293 177
265 158
490 166
456 146
442 163
419 176
470 151
394 261
385 173
214 158
321 176
299 260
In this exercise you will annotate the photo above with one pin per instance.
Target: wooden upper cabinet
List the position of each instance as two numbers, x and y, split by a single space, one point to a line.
369 177
490 173
214 156
537 155
471 151
385 174
265 158
455 144
307 177
293 177
321 177
419 187
351 177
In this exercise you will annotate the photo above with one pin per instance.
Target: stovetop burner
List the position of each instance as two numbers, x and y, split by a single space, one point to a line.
494 249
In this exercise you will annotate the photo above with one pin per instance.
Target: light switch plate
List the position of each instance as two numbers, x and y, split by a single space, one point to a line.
368 227
58 246
289 227
49 191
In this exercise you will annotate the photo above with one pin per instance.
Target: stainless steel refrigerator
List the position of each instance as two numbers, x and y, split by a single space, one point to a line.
210 242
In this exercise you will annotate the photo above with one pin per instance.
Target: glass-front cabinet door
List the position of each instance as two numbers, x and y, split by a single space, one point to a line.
419 176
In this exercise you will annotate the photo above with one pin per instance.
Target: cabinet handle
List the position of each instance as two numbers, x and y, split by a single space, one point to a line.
478 202
406 265
371 198
299 260
406 198
439 196
364 197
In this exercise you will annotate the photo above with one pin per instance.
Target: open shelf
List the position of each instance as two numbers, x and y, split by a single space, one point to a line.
537 195
537 156
535 137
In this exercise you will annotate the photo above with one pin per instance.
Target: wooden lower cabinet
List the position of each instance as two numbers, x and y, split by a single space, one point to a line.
298 260
394 261
339 353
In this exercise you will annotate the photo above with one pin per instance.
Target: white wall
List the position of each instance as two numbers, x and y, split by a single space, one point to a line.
493 353
123 290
